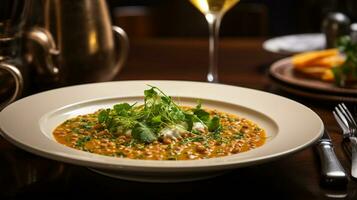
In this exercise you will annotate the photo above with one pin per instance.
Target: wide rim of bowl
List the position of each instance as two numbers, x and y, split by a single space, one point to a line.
299 126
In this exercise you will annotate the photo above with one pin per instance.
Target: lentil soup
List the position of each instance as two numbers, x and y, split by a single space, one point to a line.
160 130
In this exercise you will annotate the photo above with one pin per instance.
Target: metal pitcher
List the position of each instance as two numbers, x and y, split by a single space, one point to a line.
13 75
70 42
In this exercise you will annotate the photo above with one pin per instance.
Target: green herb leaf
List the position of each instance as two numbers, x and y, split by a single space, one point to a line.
166 99
337 73
81 141
189 121
194 139
103 116
199 104
177 114
156 119
122 109
347 71
201 114
150 93
143 133
214 124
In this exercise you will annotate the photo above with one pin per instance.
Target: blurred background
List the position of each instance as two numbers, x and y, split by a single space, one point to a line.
265 18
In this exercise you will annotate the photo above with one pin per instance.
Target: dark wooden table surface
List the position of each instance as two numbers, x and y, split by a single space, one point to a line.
242 62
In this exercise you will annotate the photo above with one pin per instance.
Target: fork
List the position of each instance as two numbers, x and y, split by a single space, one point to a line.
349 128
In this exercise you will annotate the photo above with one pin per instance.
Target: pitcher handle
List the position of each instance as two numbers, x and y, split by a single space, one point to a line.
123 45
18 82
44 38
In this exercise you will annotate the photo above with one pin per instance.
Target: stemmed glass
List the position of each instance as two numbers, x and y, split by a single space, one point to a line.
213 11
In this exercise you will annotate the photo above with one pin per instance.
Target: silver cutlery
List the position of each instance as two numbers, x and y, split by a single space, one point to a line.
349 128
332 171
346 145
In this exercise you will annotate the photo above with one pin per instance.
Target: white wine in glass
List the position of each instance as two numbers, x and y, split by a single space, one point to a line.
213 11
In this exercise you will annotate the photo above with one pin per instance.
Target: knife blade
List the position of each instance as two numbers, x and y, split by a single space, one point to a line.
332 172
349 145
353 141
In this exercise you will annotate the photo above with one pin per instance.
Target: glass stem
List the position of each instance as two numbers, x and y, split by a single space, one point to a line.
214 22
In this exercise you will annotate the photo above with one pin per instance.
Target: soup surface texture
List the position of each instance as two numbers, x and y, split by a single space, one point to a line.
160 130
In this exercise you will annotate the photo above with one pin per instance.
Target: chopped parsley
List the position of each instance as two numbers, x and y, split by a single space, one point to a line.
82 141
238 135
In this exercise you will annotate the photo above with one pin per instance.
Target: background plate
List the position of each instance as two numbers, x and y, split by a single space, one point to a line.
284 75
291 44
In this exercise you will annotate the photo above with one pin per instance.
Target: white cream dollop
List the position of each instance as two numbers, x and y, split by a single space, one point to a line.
174 132
198 126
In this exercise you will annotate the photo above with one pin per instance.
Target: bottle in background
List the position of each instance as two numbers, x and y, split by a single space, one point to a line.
335 25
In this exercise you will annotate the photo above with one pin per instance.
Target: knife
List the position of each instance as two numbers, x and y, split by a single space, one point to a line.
350 147
353 141
332 172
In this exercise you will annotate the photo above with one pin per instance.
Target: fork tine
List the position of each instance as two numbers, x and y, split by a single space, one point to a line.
342 116
342 124
349 114
343 111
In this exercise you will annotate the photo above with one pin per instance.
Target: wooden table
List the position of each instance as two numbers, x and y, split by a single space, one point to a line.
242 62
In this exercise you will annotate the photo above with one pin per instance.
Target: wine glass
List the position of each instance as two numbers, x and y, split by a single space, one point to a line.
213 11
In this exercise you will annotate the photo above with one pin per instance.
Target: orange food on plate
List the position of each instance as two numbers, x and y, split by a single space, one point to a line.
318 64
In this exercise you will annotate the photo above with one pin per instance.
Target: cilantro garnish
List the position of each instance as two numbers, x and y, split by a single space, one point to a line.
143 133
159 111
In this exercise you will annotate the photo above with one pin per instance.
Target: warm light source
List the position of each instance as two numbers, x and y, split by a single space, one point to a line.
201 5
93 43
